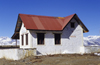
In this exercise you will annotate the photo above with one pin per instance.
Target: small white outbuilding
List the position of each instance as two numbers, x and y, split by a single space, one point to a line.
50 35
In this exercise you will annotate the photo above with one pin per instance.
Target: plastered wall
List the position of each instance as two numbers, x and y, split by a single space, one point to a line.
24 31
16 54
71 41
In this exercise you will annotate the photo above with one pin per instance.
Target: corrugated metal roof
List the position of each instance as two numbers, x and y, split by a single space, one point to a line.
35 22
44 22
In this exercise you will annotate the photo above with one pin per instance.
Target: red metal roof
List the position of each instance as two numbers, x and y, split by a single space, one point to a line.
44 22
35 22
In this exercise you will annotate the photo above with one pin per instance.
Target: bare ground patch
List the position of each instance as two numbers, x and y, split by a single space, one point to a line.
61 59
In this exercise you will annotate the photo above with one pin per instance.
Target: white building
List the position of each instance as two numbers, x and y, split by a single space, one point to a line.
50 35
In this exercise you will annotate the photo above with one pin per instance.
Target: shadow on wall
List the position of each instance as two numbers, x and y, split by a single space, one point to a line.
8 47
67 32
38 53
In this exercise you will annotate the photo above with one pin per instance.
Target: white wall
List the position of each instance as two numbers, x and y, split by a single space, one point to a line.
92 49
8 54
71 41
16 54
23 31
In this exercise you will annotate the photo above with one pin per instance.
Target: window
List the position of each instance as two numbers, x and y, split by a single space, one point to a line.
40 38
26 39
72 24
57 38
22 39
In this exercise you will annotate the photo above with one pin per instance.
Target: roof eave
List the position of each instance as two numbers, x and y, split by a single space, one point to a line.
17 29
15 35
85 30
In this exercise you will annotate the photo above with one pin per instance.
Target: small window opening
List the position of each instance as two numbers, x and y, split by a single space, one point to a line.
40 38
26 39
57 38
22 39
72 24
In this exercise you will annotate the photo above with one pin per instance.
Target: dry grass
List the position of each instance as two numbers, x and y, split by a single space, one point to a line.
59 59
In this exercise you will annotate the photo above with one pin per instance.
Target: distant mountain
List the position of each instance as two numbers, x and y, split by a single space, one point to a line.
88 41
8 41
92 41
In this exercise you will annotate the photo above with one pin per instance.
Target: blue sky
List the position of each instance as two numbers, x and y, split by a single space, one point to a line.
87 10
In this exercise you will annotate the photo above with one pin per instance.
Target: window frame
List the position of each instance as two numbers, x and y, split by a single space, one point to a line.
40 38
72 24
57 39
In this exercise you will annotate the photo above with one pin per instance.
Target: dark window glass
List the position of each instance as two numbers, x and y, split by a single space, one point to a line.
72 25
40 38
22 39
26 39
57 38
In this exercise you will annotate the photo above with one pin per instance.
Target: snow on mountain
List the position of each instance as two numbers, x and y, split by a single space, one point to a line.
92 41
8 41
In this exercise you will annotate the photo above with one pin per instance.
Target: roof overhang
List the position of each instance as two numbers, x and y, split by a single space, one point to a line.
15 35
74 16
17 29
85 30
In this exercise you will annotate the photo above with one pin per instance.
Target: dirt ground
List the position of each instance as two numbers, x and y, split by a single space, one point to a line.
65 59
